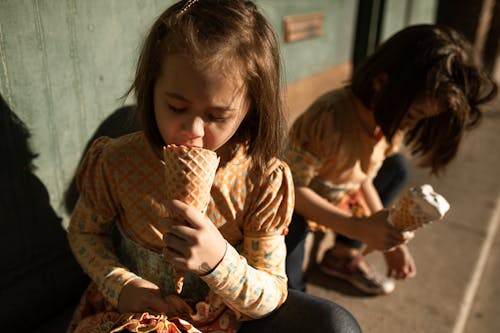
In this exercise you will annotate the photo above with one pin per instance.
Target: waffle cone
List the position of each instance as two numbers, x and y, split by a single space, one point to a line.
189 174
401 215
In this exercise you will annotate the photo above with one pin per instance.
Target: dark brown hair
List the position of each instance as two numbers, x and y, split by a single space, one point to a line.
426 61
235 36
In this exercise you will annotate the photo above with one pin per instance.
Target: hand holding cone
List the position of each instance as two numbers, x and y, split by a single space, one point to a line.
189 174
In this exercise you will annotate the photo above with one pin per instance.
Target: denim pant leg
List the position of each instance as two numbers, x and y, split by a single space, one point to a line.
302 312
390 180
295 246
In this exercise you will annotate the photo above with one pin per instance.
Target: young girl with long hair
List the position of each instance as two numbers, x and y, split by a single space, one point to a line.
208 76
423 86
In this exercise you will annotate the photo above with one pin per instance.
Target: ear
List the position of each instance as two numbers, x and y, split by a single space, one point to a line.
379 81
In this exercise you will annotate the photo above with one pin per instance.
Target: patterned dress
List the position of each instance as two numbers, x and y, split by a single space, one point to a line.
116 235
334 146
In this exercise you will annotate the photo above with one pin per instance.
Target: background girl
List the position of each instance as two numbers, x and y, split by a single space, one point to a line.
424 84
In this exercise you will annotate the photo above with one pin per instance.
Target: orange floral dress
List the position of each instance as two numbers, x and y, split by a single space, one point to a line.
116 235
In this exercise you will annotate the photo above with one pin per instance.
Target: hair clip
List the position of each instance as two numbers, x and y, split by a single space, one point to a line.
188 5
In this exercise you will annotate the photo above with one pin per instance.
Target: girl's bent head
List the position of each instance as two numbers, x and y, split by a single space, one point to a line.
426 80
227 40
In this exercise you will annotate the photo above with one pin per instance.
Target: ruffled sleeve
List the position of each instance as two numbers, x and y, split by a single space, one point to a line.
90 227
253 281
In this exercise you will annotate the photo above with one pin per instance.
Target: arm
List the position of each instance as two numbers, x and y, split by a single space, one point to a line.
375 231
90 239
371 196
314 207
253 282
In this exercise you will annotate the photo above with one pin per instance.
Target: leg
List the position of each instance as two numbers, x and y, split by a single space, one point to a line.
391 178
295 244
302 312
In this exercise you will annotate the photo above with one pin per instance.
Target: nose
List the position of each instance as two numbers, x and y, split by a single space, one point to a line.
194 127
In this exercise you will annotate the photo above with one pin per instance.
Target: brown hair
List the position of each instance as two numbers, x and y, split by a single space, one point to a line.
220 33
426 61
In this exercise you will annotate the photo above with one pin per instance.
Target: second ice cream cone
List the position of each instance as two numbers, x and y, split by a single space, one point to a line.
418 207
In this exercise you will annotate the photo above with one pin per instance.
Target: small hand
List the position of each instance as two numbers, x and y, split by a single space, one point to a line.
177 306
194 243
379 234
400 263
140 295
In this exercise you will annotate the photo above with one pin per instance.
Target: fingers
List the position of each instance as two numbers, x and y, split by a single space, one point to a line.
401 274
187 213
174 256
141 295
177 306
176 231
402 237
396 237
157 305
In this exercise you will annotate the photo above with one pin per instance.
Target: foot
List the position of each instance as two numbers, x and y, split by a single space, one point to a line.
357 272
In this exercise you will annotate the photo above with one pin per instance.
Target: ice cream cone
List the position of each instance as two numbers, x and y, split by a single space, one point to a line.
189 174
418 207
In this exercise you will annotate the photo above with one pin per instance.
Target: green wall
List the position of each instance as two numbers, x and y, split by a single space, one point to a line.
303 58
64 64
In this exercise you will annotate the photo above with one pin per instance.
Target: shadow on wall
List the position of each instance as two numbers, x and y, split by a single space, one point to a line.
40 281
122 121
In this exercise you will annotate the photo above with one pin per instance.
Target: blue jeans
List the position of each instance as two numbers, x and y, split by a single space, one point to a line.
390 180
302 312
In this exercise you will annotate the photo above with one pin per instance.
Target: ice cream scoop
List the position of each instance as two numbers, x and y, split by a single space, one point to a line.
418 206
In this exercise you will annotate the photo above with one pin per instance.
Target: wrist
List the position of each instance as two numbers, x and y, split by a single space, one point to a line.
210 270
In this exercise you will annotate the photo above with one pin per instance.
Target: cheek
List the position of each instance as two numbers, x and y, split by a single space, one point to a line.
217 135
166 125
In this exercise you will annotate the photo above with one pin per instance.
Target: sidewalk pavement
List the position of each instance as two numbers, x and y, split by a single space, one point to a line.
457 287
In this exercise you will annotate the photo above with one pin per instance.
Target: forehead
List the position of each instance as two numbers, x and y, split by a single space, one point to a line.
180 72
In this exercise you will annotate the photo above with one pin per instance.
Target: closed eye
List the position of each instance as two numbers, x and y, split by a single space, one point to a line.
216 119
175 109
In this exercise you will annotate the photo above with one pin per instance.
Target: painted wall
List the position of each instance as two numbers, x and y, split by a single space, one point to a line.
64 66
335 46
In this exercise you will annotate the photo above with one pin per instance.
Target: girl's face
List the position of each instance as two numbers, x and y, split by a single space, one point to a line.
421 109
196 106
